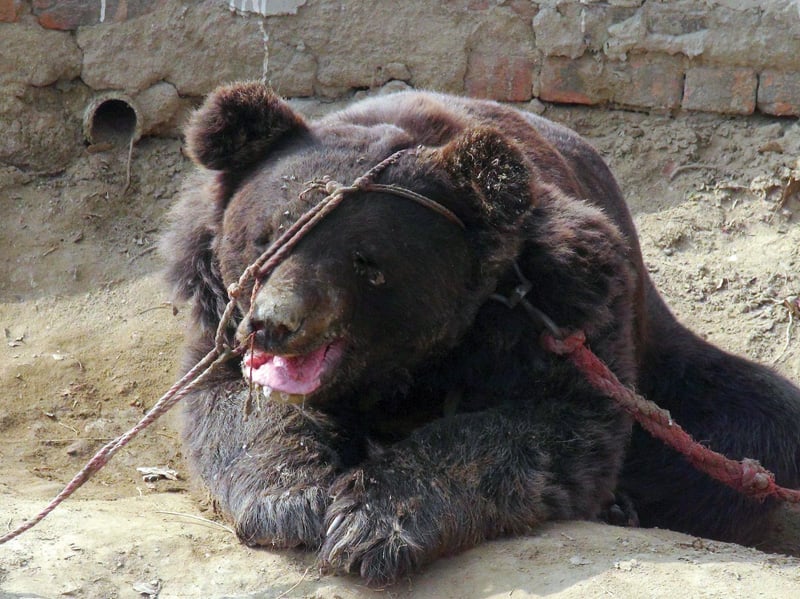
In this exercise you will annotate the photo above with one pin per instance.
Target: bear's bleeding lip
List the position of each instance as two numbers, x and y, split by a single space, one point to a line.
295 374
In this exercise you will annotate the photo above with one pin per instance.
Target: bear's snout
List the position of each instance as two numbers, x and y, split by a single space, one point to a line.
272 325
286 320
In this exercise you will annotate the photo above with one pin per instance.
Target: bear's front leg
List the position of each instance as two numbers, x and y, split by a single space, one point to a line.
270 472
464 479
390 517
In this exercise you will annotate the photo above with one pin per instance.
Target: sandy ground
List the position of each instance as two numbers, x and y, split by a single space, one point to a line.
91 341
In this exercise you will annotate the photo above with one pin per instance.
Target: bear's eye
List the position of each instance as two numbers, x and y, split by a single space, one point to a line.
263 241
365 267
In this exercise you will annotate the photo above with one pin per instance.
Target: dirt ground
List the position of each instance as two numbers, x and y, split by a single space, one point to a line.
92 340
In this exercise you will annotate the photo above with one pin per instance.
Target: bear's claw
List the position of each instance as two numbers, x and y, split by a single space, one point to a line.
371 534
289 519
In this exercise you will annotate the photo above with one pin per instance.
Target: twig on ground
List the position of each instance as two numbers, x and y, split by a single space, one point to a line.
788 338
149 250
200 520
68 427
688 167
793 309
792 188
128 167
59 441
161 306
294 586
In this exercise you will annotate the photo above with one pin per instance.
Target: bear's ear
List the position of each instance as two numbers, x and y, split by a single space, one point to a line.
236 126
495 171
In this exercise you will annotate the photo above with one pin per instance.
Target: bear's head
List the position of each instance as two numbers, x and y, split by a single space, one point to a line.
382 284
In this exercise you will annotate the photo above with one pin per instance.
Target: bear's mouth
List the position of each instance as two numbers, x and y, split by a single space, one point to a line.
291 376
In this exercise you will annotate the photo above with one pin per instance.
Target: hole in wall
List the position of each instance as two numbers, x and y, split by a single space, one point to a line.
111 120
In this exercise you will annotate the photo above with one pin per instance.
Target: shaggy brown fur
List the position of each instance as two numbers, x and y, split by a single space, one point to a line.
438 420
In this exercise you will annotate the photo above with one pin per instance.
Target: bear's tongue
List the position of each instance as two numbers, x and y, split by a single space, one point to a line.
297 375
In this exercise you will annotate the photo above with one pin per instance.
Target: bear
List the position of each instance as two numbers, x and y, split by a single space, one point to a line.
392 401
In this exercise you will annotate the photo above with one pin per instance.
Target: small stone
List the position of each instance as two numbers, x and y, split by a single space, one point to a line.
394 86
536 107
80 447
579 560
627 566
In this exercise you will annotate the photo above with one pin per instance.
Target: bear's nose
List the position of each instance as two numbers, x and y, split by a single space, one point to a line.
295 310
272 324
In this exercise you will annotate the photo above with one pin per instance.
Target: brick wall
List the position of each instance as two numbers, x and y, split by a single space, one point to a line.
726 56
731 56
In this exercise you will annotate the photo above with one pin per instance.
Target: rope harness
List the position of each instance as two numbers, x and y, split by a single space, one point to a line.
336 193
747 476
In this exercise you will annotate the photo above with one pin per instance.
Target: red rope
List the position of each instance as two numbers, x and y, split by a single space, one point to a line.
747 476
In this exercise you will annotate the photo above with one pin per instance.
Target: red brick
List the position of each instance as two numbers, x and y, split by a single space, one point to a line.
524 8
66 15
779 93
10 10
725 90
649 81
71 14
570 81
504 78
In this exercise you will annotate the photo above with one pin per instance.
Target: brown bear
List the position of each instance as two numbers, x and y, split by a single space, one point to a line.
411 409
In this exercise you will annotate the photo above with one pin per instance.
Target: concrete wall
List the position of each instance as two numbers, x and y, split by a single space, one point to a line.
727 56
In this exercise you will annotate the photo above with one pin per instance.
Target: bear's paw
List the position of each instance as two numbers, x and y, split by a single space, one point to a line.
377 530
291 518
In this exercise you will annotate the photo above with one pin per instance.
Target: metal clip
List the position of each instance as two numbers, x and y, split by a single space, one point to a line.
517 297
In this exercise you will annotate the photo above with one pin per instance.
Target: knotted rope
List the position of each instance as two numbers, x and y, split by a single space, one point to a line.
258 270
747 476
